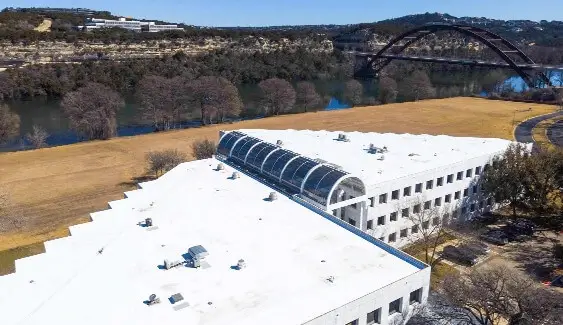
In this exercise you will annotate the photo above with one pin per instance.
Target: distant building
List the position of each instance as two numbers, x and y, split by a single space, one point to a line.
134 25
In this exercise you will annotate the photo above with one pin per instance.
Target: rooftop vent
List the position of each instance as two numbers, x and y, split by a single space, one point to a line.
153 299
241 264
220 166
273 196
330 279
382 157
343 137
279 143
235 175
148 222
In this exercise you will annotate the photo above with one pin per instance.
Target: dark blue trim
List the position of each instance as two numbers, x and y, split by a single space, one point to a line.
389 249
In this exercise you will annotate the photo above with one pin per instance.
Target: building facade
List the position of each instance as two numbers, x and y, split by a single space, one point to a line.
133 25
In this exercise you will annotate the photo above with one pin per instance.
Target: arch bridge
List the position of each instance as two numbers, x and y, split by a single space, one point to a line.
371 63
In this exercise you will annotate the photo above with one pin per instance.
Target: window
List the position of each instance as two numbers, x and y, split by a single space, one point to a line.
435 221
459 176
472 207
392 237
352 222
429 185
489 201
478 170
414 229
393 216
440 181
395 306
465 192
370 224
425 224
448 198
469 173
354 322
416 209
383 198
418 188
395 195
415 296
372 202
475 189
450 178
407 191
438 202
381 221
457 195
405 213
481 204
427 205
374 317
404 232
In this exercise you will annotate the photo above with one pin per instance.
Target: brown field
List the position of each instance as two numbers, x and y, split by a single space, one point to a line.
58 187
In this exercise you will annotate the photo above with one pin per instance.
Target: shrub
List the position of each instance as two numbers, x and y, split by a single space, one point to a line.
203 149
162 161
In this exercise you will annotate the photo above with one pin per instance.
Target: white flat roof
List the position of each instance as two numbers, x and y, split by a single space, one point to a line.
282 243
430 151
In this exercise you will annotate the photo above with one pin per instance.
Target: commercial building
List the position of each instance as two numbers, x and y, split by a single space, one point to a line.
278 228
387 185
134 25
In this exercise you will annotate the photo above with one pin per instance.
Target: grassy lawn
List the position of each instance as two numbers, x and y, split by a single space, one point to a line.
59 187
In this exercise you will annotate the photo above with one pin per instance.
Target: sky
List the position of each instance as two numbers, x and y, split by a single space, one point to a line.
303 12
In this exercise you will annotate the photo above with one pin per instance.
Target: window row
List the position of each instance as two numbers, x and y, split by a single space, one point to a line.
396 306
405 213
407 191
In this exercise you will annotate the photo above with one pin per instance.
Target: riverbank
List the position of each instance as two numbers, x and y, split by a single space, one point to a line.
58 187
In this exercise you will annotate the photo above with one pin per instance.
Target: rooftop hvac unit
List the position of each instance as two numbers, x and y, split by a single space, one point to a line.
198 252
169 265
343 137
273 196
153 299
235 175
279 143
220 166
372 148
241 264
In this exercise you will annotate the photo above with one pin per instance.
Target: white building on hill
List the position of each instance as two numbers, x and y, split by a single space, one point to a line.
268 232
134 25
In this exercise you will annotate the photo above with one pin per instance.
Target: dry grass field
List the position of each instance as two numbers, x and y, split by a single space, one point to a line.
58 187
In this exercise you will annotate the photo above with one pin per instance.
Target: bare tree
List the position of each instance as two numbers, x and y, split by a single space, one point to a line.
497 295
541 185
162 161
493 81
203 149
215 97
388 90
418 86
277 96
38 137
92 110
353 92
9 124
430 222
307 97
162 100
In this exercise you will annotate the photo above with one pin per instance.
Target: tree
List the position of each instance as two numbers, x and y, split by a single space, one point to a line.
353 92
92 110
162 100
277 96
162 161
497 295
38 137
307 98
9 124
543 171
431 222
387 90
493 81
505 180
203 149
418 86
215 97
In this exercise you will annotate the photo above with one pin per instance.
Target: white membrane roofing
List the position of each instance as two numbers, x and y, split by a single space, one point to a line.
282 243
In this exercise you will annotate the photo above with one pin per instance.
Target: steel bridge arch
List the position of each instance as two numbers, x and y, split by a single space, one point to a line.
484 36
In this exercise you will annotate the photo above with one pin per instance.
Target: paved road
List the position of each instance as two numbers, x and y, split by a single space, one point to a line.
523 131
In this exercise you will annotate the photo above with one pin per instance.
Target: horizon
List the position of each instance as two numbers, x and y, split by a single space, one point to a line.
252 13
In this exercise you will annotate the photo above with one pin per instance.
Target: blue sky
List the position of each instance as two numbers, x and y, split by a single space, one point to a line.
292 12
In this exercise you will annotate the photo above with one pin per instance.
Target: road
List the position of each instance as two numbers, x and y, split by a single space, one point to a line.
523 131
